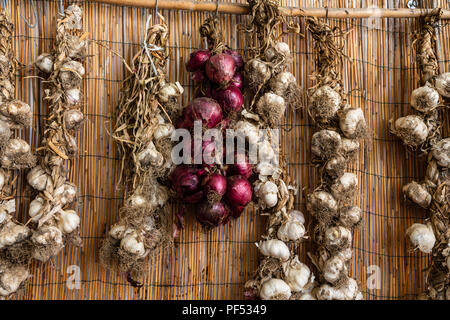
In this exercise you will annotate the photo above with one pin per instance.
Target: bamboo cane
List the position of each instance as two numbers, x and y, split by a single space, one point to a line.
339 13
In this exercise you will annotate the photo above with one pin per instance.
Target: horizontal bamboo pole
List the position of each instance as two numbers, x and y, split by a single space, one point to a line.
233 8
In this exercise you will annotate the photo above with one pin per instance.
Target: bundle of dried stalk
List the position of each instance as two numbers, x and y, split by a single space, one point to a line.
333 146
52 217
142 130
280 274
424 130
15 154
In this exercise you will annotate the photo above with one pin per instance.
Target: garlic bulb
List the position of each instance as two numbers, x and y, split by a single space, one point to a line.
274 248
118 231
271 107
349 146
441 152
443 84
411 129
45 63
73 96
16 112
324 103
281 48
421 237
281 82
321 203
69 193
291 230
345 186
275 289
257 72
345 254
418 194
11 278
4 216
297 275
38 179
267 192
327 292
163 130
136 200
2 179
334 268
425 99
73 119
150 156
169 91
325 144
75 46
68 221
5 132
245 129
35 210
6 90
16 154
47 241
338 237
350 290
12 233
297 215
350 216
266 153
352 122
71 74
132 244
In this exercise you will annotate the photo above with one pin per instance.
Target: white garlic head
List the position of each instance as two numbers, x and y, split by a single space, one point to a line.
150 156
257 72
297 215
280 83
47 241
68 221
271 107
133 244
442 84
280 48
411 129
421 237
297 275
441 152
163 130
274 248
291 230
247 130
349 146
73 96
11 278
334 268
12 233
73 118
324 103
424 99
325 144
352 122
267 192
320 202
345 186
418 194
338 237
35 210
275 289
17 113
350 216
118 231
38 179
71 74
45 63
170 91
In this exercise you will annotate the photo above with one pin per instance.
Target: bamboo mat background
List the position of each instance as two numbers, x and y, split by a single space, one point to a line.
215 265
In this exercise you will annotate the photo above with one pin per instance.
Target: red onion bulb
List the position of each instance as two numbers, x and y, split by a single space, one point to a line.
220 68
197 60
214 186
205 109
230 99
211 214
186 183
239 191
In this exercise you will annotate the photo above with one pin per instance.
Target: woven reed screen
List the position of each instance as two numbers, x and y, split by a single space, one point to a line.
215 265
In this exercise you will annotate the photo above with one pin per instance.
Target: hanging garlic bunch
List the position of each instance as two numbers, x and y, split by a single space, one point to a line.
52 221
333 146
280 274
143 130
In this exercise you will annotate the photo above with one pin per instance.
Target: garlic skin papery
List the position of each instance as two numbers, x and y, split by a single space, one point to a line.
275 289
348 291
442 84
271 107
71 74
324 104
11 278
131 243
150 156
334 269
337 238
281 82
291 230
16 113
16 154
35 210
73 96
45 62
274 248
280 48
38 179
267 193
411 129
441 152
352 123
418 194
257 72
325 144
422 237
350 216
163 130
169 91
245 129
11 233
68 221
349 146
424 99
297 275
321 203
47 241
345 186
73 119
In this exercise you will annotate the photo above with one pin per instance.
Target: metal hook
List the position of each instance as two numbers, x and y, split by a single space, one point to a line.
31 26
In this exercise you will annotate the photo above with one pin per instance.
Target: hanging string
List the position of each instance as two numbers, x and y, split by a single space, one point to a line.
156 12
148 48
